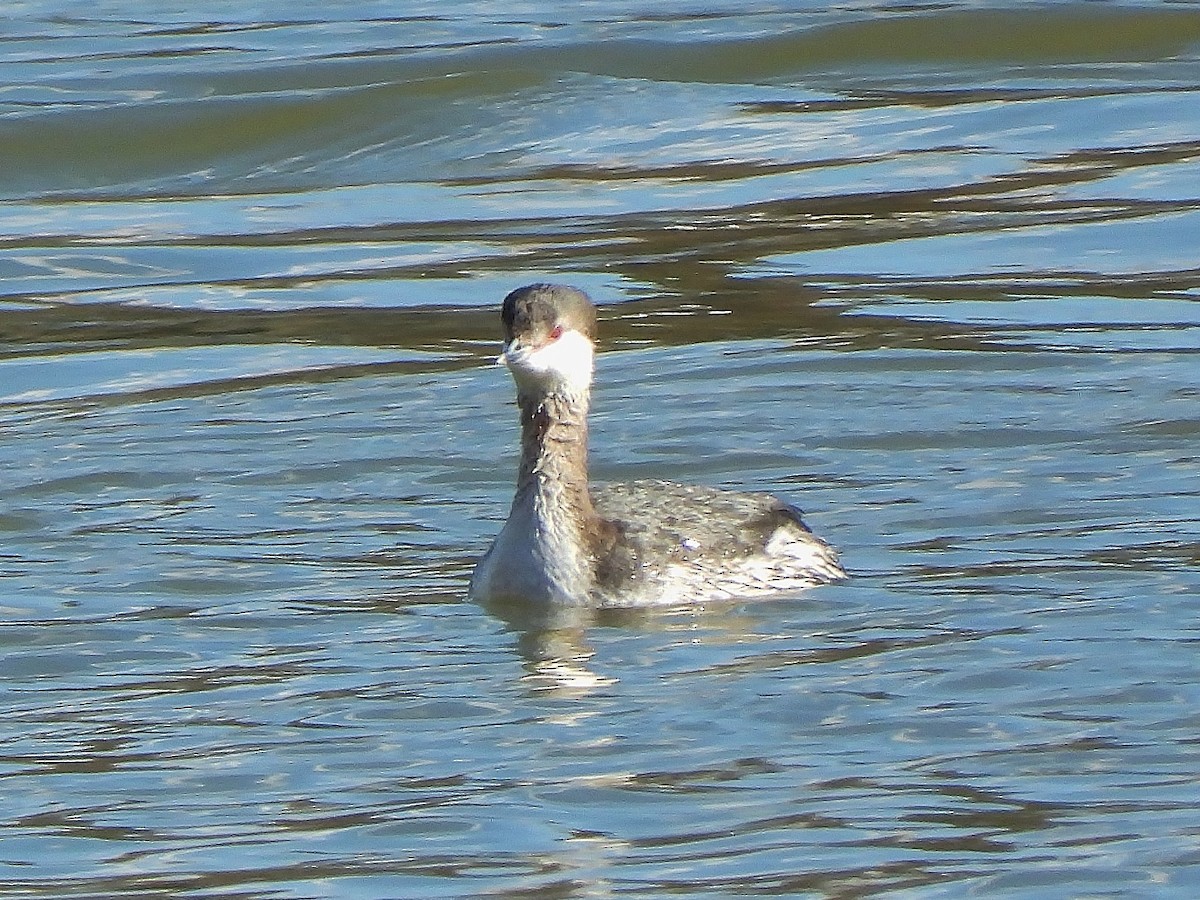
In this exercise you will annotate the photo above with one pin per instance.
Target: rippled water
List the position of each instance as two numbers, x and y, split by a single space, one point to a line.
930 270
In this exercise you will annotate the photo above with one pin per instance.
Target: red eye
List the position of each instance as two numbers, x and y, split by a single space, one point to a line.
556 332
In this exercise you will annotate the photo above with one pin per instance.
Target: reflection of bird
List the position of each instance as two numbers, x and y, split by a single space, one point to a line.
631 544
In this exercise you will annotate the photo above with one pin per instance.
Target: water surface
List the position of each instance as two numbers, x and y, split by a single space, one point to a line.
927 270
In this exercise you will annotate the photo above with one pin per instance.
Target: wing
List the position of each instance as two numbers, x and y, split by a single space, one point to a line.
691 542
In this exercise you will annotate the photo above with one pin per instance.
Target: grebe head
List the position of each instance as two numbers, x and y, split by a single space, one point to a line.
548 334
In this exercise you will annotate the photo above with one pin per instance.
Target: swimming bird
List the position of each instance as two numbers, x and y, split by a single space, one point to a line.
639 543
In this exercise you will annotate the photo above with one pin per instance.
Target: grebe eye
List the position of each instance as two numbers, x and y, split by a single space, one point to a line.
556 332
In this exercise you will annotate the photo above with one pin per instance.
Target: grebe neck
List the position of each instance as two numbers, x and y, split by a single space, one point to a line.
545 551
554 455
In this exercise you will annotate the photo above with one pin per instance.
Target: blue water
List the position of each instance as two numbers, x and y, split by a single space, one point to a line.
927 271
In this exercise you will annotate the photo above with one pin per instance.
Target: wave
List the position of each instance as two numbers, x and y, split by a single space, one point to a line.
416 114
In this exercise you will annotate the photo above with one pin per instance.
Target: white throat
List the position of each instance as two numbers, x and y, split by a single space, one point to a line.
560 366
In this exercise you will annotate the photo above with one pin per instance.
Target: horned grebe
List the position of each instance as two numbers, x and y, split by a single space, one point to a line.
633 544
